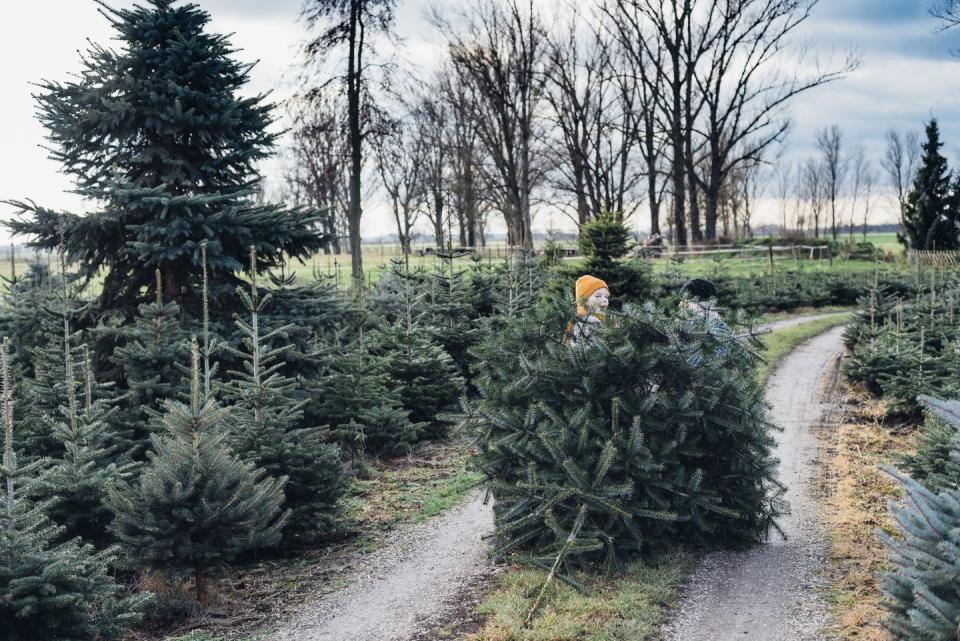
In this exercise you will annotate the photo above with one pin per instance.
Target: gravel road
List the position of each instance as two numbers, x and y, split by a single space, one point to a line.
414 580
770 592
405 585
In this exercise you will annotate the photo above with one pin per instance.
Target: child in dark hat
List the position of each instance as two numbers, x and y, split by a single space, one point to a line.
698 296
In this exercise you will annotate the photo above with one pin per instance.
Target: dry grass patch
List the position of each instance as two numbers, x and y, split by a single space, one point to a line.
856 494
629 607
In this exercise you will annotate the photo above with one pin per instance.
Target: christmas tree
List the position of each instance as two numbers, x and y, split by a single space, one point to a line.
265 425
77 481
151 349
618 446
923 588
356 399
930 214
158 133
51 591
196 506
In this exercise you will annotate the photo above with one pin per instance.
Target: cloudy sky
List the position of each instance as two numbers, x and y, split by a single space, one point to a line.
907 75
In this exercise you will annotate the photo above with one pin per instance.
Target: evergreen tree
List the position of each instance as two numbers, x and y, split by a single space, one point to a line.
265 420
617 446
356 399
152 347
452 323
51 591
923 589
932 208
158 133
77 482
196 506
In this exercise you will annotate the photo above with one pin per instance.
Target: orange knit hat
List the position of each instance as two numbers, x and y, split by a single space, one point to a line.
586 286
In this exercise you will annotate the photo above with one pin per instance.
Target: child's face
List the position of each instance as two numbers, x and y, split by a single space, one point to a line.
599 299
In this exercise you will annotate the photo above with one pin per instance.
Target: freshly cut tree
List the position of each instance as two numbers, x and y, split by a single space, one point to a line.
620 445
158 134
265 422
932 209
196 506
51 591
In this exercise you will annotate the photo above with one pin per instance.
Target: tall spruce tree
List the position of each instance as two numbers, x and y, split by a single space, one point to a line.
157 133
265 425
52 591
420 371
931 212
76 483
196 506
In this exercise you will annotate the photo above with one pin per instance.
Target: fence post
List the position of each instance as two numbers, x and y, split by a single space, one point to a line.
770 254
830 254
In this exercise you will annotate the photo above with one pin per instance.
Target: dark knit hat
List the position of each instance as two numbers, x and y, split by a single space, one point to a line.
699 288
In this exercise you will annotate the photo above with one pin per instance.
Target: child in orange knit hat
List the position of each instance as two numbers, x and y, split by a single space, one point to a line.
593 297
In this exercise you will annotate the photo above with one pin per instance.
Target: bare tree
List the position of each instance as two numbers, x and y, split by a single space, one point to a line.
900 161
317 173
813 191
860 166
347 23
948 11
830 144
869 181
592 107
499 48
401 165
783 179
642 59
752 186
746 88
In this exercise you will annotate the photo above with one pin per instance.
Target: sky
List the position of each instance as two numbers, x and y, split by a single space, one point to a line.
907 75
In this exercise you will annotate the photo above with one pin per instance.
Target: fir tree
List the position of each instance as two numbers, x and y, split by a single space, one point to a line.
265 425
51 591
930 213
616 447
355 398
158 133
77 482
196 506
152 348
923 589
451 314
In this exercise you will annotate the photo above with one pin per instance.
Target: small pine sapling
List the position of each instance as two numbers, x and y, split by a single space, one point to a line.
265 421
196 505
51 591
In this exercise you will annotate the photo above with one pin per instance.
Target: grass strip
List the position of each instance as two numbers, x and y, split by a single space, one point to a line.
781 342
627 607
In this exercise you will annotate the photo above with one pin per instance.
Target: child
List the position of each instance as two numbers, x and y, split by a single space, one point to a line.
593 297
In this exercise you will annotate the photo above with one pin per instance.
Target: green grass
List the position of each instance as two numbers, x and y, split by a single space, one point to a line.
781 342
630 606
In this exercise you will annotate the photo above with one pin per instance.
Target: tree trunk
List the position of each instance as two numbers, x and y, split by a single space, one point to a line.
354 69
200 580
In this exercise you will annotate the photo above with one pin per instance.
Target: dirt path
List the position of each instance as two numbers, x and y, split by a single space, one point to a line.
415 580
770 592
405 585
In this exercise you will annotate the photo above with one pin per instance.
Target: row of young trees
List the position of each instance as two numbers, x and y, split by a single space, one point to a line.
598 109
